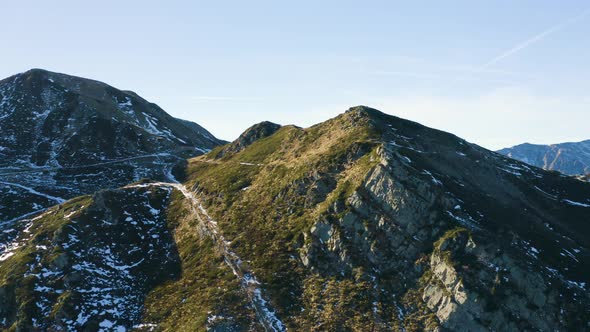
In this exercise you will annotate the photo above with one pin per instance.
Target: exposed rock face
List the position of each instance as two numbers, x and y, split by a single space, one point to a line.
445 292
462 304
567 158
469 287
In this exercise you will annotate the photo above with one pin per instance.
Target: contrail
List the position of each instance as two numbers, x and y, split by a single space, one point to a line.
533 40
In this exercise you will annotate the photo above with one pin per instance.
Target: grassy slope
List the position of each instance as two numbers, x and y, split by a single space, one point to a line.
207 293
265 209
43 281
19 297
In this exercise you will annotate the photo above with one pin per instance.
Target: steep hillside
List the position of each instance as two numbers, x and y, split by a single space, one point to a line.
51 119
371 222
365 222
567 158
91 263
64 136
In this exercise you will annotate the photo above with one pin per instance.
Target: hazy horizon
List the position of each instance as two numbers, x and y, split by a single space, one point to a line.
497 74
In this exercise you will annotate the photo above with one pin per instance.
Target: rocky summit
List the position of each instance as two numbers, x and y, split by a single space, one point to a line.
64 136
366 222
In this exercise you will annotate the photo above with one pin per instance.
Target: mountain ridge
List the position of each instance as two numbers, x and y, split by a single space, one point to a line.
64 136
572 158
363 222
411 155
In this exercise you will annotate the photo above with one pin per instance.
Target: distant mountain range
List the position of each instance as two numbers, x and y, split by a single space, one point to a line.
118 217
567 158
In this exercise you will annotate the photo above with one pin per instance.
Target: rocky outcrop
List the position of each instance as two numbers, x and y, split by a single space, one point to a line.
473 288
385 223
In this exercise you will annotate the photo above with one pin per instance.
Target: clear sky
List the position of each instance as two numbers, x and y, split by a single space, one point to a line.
497 73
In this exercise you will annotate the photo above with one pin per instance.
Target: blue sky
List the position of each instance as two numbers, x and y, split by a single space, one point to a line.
497 73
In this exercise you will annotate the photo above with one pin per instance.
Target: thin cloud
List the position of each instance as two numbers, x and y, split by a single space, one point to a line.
519 47
435 77
533 40
491 71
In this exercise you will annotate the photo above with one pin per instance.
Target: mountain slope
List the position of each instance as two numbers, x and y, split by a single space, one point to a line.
63 136
56 119
372 222
58 274
568 158
363 222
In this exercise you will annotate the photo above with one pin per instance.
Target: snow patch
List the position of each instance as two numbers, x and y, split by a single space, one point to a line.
576 203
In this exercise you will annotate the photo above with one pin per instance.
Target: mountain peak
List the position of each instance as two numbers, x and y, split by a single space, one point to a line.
370 200
34 74
54 105
365 110
63 123
35 71
258 131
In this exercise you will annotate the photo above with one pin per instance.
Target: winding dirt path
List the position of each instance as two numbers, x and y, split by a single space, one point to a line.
250 286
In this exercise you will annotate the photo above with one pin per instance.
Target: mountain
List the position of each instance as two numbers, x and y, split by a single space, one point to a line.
366 222
567 158
64 136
